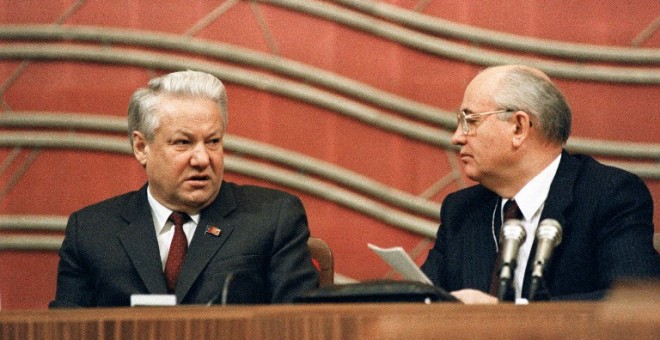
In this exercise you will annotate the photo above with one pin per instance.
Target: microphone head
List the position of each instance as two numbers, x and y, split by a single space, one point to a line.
549 229
513 230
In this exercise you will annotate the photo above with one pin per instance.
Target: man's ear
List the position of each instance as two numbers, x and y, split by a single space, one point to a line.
140 147
523 125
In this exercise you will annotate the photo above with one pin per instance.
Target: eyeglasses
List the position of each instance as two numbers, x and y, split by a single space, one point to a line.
465 118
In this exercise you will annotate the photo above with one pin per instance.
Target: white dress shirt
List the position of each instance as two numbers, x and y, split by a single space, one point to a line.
531 199
165 228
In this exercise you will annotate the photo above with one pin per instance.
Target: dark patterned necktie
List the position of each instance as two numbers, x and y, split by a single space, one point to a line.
510 211
177 252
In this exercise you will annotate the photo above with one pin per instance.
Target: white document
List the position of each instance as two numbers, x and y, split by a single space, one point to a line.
400 261
153 300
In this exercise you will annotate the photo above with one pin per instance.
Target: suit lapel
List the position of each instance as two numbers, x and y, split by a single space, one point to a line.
205 245
139 241
560 198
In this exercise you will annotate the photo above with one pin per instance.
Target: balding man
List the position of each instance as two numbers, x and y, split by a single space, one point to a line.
512 127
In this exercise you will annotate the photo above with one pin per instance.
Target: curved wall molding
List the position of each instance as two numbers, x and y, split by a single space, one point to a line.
235 54
31 243
512 42
456 51
235 75
305 93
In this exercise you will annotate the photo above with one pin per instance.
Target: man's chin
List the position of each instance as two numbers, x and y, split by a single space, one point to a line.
198 200
472 174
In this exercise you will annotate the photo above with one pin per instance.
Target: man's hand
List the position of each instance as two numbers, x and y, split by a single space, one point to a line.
473 296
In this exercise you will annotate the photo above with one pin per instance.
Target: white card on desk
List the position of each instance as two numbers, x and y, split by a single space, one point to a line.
400 261
153 300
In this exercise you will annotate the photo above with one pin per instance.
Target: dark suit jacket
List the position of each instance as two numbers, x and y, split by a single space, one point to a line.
607 219
110 251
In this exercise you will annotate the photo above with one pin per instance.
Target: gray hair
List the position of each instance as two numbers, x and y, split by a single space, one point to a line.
527 89
142 108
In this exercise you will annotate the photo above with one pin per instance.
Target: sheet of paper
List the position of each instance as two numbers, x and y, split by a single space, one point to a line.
153 300
400 261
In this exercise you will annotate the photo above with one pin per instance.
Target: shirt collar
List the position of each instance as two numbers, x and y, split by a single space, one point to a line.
532 196
160 213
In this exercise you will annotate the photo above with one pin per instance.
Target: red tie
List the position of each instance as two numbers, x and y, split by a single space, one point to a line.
177 252
511 211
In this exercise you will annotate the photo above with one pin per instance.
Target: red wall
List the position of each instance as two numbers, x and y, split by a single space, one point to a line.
59 182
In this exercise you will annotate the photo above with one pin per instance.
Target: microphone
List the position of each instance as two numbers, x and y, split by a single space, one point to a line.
224 293
225 288
548 236
512 236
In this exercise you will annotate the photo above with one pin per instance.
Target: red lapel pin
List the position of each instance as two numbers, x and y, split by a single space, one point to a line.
215 231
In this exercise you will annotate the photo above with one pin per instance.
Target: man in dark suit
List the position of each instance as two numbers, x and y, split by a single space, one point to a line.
512 127
233 243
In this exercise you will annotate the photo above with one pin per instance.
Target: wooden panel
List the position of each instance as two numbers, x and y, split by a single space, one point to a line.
341 321
632 311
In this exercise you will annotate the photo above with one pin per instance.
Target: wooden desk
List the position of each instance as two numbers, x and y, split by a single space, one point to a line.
346 321
630 315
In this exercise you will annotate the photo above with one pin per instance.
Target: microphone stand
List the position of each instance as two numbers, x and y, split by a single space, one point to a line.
538 290
224 293
548 235
505 290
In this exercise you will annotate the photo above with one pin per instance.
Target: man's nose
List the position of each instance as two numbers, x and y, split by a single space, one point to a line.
200 156
458 138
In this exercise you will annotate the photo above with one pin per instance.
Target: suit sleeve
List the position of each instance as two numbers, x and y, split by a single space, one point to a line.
433 267
291 271
625 240
74 286
435 264
622 235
